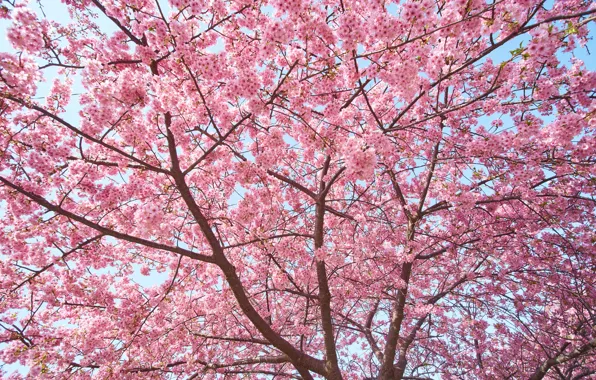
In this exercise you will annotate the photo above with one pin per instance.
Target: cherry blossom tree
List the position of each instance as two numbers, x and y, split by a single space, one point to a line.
332 189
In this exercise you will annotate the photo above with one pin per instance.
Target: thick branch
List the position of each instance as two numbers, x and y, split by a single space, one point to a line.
562 358
397 318
104 230
331 364
298 358
119 25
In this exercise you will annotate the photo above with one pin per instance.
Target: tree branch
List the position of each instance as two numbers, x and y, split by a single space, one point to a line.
331 363
104 230
543 368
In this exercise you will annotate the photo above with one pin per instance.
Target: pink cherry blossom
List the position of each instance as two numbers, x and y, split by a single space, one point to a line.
298 189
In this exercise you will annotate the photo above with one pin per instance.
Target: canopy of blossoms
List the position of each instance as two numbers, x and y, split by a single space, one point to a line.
324 189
